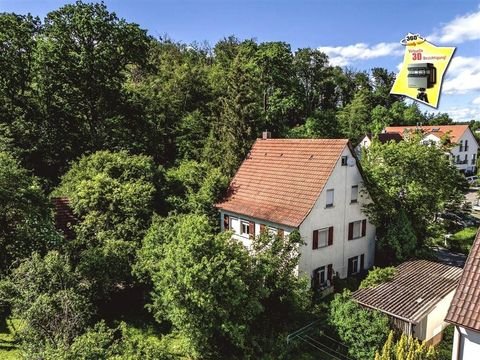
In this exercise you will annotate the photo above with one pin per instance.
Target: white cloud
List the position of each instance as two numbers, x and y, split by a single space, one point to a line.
463 75
344 55
463 113
462 28
476 101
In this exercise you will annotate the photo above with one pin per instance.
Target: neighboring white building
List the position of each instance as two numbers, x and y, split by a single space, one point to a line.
417 299
383 137
463 155
464 312
313 185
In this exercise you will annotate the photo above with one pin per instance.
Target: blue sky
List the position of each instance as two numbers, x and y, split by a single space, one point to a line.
355 33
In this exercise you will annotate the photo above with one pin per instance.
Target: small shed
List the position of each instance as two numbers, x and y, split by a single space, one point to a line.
417 299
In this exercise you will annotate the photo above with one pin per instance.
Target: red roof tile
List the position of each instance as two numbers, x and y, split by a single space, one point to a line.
465 307
416 287
281 179
455 131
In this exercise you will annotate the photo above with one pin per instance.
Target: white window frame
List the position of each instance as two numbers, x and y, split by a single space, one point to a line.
327 203
359 235
324 232
232 219
355 263
272 231
352 199
247 225
322 270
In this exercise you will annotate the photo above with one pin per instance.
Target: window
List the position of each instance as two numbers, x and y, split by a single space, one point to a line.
226 222
329 198
354 195
344 160
272 231
357 229
458 159
474 159
245 228
356 264
466 145
461 145
466 159
353 265
322 238
322 275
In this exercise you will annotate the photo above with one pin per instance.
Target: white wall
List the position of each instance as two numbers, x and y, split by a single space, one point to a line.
235 221
338 216
433 323
466 344
472 149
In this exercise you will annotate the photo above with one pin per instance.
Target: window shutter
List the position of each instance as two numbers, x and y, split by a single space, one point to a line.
315 240
262 228
330 272
315 283
251 229
364 227
280 233
362 262
350 267
330 235
226 222
350 231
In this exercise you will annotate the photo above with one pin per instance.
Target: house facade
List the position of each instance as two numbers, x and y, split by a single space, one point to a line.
310 185
464 310
464 152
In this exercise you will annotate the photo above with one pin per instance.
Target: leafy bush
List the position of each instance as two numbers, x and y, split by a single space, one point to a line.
378 276
406 347
363 331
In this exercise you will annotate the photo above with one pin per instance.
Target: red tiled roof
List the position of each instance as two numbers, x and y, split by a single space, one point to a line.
455 131
281 179
64 217
416 287
465 307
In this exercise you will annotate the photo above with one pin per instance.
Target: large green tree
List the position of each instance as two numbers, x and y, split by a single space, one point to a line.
26 221
112 194
408 181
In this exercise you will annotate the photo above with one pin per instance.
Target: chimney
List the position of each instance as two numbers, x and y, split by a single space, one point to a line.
266 135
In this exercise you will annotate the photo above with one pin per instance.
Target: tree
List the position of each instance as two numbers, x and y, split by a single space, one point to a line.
194 188
363 331
354 118
49 297
406 347
412 179
112 194
26 222
81 59
205 284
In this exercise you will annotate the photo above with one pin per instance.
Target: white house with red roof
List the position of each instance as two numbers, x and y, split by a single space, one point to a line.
463 154
314 186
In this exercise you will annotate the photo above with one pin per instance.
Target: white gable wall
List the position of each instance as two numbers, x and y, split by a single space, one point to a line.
466 344
470 154
339 216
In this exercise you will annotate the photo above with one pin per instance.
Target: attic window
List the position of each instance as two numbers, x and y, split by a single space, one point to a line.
344 160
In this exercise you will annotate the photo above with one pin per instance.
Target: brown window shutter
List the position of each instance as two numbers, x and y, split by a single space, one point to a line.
364 227
226 222
280 233
262 228
362 262
350 231
330 235
251 229
330 272
315 240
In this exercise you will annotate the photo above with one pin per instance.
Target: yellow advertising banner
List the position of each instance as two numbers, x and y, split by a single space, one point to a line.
423 68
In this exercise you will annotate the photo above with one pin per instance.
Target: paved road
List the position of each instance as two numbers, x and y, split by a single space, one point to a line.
451 258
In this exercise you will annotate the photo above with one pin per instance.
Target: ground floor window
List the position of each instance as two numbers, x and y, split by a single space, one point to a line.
356 264
322 276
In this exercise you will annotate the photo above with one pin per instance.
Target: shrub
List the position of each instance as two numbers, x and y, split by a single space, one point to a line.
378 276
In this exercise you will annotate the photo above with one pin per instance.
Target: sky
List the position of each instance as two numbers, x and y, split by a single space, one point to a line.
360 34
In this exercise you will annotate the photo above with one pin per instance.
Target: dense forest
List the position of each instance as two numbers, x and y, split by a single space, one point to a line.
142 135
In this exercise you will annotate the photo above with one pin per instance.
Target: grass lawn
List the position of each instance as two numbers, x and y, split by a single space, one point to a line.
8 345
462 241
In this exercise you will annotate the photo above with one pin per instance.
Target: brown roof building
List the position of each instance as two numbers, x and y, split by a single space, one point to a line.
312 186
464 311
416 299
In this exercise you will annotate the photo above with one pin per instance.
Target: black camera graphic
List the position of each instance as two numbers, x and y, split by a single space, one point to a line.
422 76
